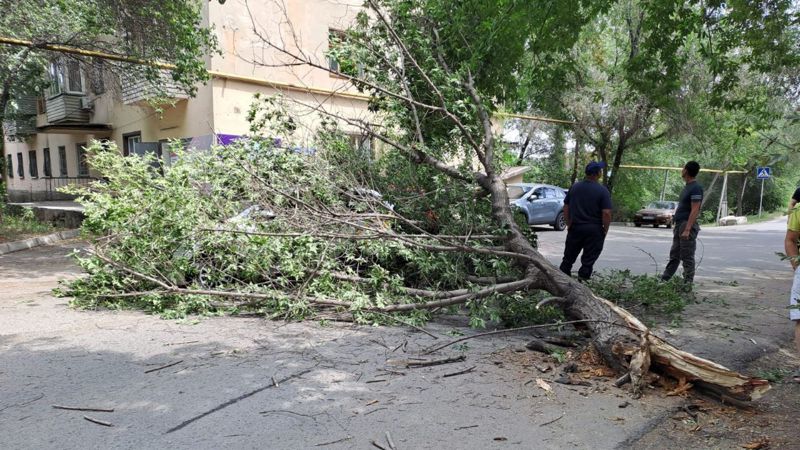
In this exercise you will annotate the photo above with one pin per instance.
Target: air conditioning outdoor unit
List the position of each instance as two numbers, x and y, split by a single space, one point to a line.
86 103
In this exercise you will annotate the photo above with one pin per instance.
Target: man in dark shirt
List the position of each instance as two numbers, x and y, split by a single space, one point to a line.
684 236
587 210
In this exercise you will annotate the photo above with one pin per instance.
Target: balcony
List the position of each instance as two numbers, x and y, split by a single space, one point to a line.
20 127
67 108
139 91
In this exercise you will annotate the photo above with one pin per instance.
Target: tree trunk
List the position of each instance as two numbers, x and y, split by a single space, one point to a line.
624 342
740 200
576 158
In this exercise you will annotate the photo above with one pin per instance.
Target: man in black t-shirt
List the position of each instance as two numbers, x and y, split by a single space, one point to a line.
684 236
587 210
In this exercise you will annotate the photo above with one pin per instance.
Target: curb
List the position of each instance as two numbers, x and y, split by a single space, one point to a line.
50 239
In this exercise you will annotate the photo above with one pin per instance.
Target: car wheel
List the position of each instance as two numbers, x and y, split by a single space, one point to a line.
560 223
655 225
637 225
668 224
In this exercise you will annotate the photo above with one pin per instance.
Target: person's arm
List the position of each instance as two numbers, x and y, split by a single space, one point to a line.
567 218
692 219
790 246
606 220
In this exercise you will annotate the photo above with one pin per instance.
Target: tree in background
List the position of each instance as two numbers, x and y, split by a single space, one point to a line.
170 30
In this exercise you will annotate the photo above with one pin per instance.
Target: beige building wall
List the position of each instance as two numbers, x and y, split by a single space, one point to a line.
246 66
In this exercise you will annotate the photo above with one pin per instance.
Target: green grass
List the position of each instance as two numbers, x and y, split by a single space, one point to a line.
16 226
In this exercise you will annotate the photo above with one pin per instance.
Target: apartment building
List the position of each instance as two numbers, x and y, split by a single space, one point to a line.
45 145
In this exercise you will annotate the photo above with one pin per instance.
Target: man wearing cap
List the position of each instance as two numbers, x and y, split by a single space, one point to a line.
684 236
587 210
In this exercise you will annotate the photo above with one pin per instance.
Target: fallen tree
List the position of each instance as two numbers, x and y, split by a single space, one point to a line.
259 226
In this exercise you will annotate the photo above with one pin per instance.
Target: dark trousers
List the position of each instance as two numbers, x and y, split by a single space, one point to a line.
586 238
682 252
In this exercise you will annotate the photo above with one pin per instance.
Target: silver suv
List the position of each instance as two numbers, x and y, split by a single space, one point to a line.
541 203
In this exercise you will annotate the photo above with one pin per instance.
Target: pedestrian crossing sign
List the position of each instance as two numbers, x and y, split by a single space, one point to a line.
763 173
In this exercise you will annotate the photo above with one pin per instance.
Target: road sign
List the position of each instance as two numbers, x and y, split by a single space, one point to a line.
763 173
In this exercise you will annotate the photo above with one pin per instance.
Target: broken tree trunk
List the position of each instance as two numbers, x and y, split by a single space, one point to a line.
625 343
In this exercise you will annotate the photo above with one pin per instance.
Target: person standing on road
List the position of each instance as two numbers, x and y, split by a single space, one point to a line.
795 199
684 235
587 210
790 246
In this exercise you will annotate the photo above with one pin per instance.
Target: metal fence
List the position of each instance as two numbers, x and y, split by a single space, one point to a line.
54 183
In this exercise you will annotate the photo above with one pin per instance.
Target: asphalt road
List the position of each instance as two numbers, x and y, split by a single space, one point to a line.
722 252
239 382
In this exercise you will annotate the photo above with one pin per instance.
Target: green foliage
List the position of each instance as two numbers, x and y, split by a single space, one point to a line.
20 223
645 293
183 227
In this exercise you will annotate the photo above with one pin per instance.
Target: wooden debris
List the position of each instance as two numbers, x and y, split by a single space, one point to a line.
390 441
552 421
538 345
80 408
543 384
414 363
98 421
758 444
375 444
333 442
461 372
164 367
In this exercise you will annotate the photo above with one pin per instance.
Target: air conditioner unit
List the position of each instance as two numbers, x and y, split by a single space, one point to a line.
86 103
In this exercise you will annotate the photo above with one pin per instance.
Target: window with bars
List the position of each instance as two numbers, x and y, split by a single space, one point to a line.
62 161
33 167
83 164
48 172
10 166
20 169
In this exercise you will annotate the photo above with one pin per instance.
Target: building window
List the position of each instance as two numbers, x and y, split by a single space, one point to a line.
65 77
362 144
48 172
10 166
20 169
83 164
129 141
62 161
335 62
33 168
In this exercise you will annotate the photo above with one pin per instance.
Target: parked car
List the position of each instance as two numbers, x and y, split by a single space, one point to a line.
540 203
655 214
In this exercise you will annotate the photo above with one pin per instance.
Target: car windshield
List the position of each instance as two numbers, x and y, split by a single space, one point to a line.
515 192
661 205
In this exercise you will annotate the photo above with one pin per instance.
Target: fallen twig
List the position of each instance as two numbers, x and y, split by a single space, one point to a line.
509 330
552 421
424 363
389 440
334 442
235 400
164 367
99 422
181 343
465 427
377 445
461 372
78 408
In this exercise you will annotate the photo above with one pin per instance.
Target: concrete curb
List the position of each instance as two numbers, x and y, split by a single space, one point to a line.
50 239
